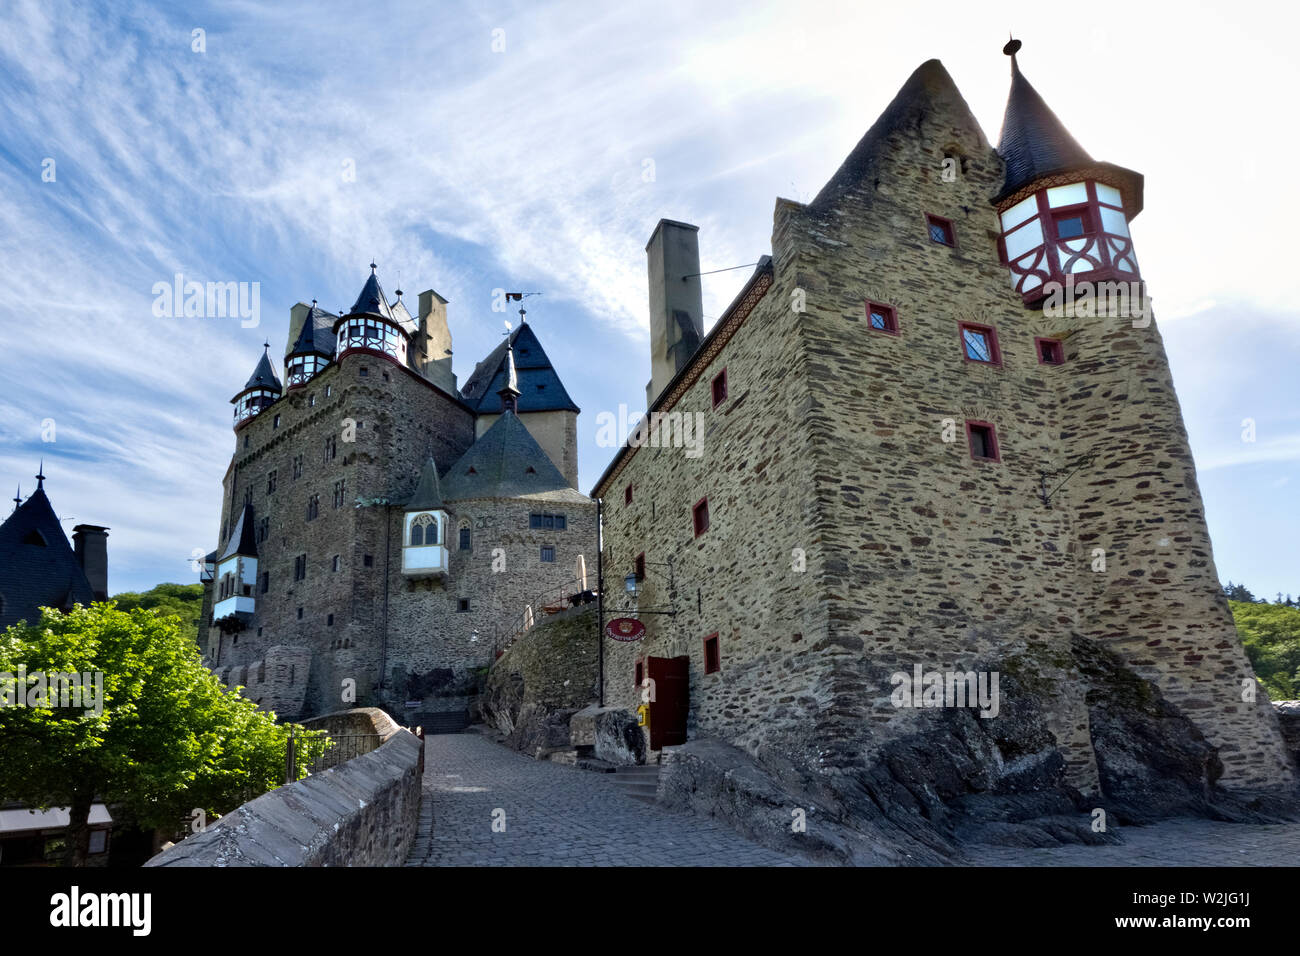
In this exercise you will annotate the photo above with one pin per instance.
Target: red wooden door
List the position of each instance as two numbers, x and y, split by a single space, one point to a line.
671 702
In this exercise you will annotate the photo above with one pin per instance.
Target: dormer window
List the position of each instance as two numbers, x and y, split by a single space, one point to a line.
36 538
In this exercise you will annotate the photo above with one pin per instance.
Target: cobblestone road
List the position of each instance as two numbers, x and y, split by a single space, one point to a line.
562 816
555 816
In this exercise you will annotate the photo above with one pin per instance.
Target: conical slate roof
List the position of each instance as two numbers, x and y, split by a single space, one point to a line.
540 388
1034 142
38 567
264 375
242 541
506 462
427 495
315 337
371 301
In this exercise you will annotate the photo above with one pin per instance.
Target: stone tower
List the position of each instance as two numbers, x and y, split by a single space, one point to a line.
920 454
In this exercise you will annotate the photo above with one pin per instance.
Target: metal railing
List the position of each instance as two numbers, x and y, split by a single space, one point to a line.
340 749
548 602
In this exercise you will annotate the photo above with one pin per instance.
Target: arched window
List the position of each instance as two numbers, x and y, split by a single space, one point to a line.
424 530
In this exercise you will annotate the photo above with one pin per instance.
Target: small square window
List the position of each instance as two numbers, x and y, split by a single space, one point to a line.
940 230
640 566
368 561
548 553
1050 351
700 516
719 388
882 318
560 523
548 521
979 343
627 495
712 659
534 521
363 371
329 620
983 441
1073 224
463 604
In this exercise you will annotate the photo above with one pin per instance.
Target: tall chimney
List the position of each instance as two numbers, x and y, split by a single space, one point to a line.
433 341
90 541
676 301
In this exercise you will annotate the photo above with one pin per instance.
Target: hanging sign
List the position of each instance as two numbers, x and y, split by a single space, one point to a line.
625 629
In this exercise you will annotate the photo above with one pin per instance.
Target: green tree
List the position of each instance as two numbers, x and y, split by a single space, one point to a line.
183 600
165 738
1271 635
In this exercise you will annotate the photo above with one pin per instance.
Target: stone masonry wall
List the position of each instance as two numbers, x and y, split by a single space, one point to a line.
365 812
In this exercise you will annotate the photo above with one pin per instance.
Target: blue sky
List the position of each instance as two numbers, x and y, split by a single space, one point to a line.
522 168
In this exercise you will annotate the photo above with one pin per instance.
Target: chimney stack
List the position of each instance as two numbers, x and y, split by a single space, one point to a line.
90 542
676 302
433 341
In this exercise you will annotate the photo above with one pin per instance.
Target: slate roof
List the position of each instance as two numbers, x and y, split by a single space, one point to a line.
539 384
317 334
35 575
428 494
264 375
372 301
243 540
1034 142
506 462
403 317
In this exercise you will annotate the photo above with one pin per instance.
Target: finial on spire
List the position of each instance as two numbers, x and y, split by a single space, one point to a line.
313 303
267 345
1012 47
18 496
373 267
40 476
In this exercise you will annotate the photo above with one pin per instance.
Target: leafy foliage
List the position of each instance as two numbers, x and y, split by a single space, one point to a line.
1271 636
183 600
168 739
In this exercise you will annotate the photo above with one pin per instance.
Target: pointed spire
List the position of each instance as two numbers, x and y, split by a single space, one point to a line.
18 496
306 342
1034 142
40 476
372 300
428 493
509 392
264 375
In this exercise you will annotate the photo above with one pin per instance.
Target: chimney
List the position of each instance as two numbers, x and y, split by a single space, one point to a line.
676 302
90 542
433 341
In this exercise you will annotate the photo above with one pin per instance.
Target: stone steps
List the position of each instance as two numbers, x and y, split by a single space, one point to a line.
640 783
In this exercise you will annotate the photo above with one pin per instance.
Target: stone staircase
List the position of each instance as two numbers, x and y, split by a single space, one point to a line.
640 783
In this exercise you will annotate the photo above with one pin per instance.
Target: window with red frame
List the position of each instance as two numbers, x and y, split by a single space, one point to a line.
1050 351
640 566
1073 223
712 658
700 516
719 388
882 318
940 230
627 494
983 441
979 343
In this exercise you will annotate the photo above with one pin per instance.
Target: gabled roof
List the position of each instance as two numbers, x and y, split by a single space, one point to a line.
539 384
371 301
506 462
427 495
402 316
1034 142
243 540
316 335
264 375
32 574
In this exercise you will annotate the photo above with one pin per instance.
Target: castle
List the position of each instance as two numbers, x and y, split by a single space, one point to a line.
383 531
923 452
